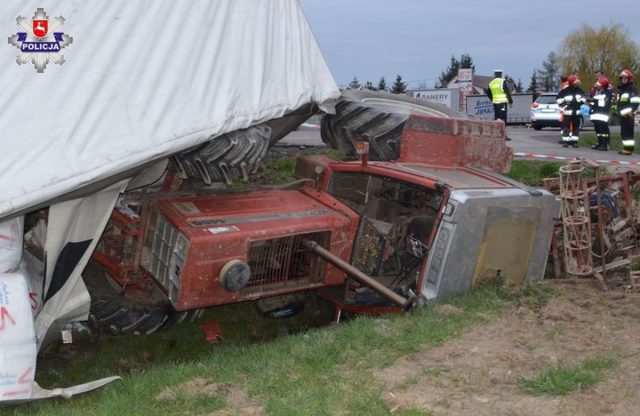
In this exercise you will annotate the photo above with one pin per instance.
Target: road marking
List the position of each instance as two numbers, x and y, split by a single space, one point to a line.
530 155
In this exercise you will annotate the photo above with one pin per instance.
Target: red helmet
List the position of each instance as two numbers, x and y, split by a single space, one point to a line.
603 83
573 80
628 74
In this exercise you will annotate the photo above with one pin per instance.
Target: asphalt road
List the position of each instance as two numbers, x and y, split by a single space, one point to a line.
541 143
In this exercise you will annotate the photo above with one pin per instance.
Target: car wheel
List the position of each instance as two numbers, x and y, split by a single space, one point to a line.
116 313
378 118
537 127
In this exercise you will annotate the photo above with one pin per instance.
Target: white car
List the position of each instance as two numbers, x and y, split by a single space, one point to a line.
545 112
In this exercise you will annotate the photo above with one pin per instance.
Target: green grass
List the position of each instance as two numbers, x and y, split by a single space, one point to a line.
562 380
615 143
279 171
321 371
532 172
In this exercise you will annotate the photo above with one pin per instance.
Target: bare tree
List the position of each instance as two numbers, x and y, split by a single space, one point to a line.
608 49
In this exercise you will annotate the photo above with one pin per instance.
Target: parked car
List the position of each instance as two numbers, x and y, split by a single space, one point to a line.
545 112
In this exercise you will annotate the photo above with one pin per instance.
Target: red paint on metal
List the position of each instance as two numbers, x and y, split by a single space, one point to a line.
251 217
455 142
341 306
212 331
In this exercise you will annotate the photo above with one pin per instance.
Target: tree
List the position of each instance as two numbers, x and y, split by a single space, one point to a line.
452 71
533 84
609 49
369 85
398 86
513 87
355 84
549 76
382 84
518 86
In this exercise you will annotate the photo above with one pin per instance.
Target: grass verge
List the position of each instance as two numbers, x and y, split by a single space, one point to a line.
562 380
317 372
532 172
615 142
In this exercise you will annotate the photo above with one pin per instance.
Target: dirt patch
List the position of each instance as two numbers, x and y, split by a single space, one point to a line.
477 374
237 400
448 310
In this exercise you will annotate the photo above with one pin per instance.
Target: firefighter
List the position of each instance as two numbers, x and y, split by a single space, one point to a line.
499 95
570 99
628 101
600 104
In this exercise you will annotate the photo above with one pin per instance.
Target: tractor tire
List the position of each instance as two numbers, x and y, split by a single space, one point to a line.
116 314
375 117
227 157
238 154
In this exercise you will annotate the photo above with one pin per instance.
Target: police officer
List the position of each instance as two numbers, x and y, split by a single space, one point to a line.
499 95
600 104
628 101
570 99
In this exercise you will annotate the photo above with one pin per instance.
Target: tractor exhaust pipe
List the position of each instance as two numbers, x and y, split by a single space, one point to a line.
326 255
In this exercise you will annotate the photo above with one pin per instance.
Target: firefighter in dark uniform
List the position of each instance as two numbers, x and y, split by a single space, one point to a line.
570 99
628 101
600 104
500 96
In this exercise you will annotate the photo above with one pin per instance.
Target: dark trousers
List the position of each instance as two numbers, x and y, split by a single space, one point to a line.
601 128
500 112
626 131
626 127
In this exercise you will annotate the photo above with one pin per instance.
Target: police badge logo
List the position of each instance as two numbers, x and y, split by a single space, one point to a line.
41 41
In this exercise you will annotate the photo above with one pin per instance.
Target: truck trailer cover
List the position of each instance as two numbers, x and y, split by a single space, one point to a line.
136 81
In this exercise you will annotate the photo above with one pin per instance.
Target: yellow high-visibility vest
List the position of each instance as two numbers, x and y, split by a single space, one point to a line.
497 93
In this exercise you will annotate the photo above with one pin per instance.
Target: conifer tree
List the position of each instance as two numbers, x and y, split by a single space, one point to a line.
398 86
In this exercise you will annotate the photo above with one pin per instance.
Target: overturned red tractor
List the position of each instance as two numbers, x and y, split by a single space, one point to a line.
368 235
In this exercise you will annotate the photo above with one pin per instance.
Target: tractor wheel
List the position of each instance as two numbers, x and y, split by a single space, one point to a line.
119 314
227 157
378 118
238 154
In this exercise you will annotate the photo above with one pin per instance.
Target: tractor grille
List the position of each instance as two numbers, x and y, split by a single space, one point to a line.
283 262
164 253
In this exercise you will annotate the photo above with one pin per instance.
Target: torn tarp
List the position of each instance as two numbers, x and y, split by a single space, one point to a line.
142 80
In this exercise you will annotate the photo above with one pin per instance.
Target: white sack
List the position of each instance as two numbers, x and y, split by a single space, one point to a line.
11 244
142 80
33 270
17 338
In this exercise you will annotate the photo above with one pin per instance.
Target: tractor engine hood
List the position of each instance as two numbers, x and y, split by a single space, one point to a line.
217 249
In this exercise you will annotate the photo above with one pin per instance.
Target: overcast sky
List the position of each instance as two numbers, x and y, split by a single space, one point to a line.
416 38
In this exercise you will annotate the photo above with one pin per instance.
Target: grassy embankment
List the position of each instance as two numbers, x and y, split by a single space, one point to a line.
323 370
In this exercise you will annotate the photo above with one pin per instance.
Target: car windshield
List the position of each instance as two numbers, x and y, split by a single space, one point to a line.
546 99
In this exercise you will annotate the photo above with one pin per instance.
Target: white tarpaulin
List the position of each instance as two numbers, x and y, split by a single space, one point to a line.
142 80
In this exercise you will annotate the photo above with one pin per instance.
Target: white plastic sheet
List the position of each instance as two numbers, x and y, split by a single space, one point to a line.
142 80
17 338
